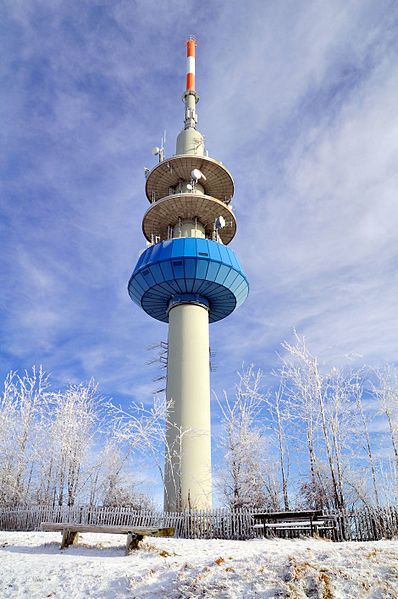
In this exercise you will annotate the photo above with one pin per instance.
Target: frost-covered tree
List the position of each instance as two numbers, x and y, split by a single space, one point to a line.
300 376
72 424
323 404
69 446
386 391
137 429
116 487
246 478
362 437
22 407
8 410
280 422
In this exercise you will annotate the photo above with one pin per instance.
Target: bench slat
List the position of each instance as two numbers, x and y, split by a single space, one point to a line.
135 534
292 524
138 530
288 515
314 528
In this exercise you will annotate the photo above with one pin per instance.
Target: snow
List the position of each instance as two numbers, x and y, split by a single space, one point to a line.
32 565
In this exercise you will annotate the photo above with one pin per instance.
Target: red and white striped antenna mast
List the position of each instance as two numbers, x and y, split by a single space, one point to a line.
191 45
190 96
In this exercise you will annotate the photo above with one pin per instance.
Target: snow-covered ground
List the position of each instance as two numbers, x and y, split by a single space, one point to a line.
32 565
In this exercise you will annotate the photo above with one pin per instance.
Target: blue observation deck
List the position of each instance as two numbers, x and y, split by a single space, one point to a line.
189 270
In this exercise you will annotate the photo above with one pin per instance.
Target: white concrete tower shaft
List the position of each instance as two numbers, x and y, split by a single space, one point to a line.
188 456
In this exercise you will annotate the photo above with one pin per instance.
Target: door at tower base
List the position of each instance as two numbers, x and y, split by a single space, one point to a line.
188 451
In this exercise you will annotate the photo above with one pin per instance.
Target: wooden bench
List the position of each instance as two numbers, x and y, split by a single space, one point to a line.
307 521
135 534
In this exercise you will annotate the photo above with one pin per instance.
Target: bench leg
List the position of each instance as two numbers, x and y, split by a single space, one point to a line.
69 537
132 542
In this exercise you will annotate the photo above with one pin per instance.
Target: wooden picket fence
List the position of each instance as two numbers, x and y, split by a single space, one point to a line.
359 525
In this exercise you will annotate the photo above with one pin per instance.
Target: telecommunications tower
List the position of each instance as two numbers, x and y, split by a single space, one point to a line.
188 277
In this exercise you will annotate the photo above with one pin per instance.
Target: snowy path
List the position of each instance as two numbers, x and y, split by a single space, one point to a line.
32 565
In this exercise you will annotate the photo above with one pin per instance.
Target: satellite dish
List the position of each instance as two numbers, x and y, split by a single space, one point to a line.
196 174
220 222
189 187
155 150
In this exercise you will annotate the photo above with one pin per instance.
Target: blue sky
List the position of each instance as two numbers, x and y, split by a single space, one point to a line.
299 100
